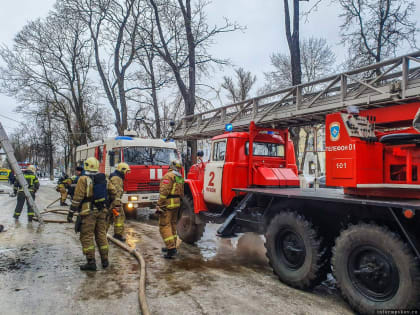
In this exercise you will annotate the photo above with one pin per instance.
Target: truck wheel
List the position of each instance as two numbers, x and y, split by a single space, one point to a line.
187 229
375 269
295 252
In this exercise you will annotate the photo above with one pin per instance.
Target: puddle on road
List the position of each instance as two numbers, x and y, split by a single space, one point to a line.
233 255
245 250
147 216
119 279
230 255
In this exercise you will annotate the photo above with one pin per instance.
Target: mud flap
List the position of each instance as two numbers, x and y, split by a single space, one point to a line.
228 227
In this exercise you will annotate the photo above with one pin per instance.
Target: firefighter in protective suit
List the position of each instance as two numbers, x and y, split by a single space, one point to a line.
90 200
74 179
63 184
117 215
33 186
170 192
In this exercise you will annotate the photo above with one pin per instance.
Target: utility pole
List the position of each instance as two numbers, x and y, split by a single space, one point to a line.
8 149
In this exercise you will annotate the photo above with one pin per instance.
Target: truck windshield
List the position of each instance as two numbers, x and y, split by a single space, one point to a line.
266 149
149 156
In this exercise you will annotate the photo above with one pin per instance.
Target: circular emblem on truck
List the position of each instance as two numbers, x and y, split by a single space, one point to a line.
334 131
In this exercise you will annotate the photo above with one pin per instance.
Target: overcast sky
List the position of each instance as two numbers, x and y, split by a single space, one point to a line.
250 49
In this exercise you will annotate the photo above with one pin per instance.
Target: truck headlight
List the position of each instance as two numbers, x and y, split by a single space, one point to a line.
133 198
130 206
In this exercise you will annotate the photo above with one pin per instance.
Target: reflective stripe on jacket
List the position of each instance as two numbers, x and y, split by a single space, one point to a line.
170 191
31 179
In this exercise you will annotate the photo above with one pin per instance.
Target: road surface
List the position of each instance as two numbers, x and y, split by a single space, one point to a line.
39 273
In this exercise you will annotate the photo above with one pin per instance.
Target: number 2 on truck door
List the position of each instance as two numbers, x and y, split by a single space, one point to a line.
213 175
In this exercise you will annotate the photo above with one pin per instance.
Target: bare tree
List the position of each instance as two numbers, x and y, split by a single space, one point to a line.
154 75
318 60
50 60
182 41
375 29
244 83
49 65
112 25
292 35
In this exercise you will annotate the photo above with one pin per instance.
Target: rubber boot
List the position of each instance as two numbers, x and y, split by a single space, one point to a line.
1 228
119 237
89 266
164 250
105 263
170 253
30 219
16 217
63 203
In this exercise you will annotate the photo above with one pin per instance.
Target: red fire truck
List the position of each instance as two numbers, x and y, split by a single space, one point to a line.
367 234
148 159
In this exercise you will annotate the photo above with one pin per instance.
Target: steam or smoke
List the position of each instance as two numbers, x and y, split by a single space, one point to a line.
250 248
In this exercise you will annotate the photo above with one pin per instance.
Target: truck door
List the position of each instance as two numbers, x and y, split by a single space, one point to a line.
213 175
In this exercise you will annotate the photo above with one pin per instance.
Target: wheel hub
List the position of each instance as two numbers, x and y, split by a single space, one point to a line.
290 249
373 273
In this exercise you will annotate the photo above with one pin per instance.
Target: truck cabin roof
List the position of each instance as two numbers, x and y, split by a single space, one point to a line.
261 137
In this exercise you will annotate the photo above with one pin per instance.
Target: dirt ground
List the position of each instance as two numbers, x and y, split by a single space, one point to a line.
39 273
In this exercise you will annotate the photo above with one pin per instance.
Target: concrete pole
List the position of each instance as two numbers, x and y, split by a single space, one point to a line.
7 147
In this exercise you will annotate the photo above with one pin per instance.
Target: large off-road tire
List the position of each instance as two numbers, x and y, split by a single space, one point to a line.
375 269
189 231
296 251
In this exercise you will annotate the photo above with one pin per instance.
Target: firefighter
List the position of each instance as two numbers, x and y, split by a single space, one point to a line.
74 179
90 200
12 178
170 192
33 186
116 214
63 184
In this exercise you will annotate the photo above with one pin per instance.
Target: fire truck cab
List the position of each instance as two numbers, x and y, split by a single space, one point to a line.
231 165
149 160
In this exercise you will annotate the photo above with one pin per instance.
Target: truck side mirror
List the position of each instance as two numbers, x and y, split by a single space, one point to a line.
111 158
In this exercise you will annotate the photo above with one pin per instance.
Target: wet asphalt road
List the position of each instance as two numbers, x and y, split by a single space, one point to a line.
39 273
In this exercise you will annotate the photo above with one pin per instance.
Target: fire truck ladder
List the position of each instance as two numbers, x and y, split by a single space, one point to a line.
5 143
389 82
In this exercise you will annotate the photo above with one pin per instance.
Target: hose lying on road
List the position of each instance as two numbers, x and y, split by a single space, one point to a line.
54 211
52 203
144 307
51 221
58 211
142 288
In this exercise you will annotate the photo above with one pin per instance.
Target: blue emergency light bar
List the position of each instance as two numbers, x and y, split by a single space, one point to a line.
123 138
228 127
270 132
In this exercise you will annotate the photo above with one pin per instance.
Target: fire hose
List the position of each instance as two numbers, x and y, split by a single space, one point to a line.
142 288
144 307
52 203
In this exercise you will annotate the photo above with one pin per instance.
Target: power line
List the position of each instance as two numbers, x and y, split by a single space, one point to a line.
19 122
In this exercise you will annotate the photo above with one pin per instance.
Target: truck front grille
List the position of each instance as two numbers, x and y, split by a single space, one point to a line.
149 186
